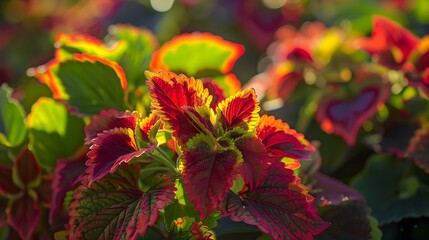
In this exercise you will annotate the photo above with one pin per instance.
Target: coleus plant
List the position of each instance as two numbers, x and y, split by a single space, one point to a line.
165 158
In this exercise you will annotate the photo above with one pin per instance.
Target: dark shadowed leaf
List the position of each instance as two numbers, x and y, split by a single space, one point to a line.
329 191
349 220
12 125
24 215
65 178
418 150
208 172
112 148
280 206
402 195
49 141
3 205
115 207
7 186
27 172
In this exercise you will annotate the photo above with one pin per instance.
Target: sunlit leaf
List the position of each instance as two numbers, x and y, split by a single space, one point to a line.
171 94
12 124
188 228
87 83
24 215
111 149
239 110
69 44
196 52
282 141
390 43
208 172
115 207
280 206
139 44
49 141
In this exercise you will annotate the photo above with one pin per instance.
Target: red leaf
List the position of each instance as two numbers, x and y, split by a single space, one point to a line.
239 110
27 168
344 114
282 141
65 178
106 120
280 206
170 94
255 157
390 43
115 207
7 186
208 173
24 215
419 148
214 90
110 149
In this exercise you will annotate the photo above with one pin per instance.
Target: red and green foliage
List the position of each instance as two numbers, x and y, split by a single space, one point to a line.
135 139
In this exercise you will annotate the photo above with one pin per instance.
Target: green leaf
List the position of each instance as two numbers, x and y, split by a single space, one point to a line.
176 210
402 195
53 132
197 53
140 44
93 84
115 208
12 124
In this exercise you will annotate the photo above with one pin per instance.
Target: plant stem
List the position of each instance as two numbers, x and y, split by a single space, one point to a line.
162 158
153 169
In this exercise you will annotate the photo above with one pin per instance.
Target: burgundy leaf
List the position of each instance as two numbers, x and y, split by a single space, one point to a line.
106 120
115 207
255 157
280 206
282 141
342 114
110 149
24 215
208 173
65 176
328 191
27 168
44 191
7 186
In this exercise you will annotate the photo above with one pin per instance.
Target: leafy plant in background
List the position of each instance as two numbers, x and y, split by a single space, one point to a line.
372 93
165 158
